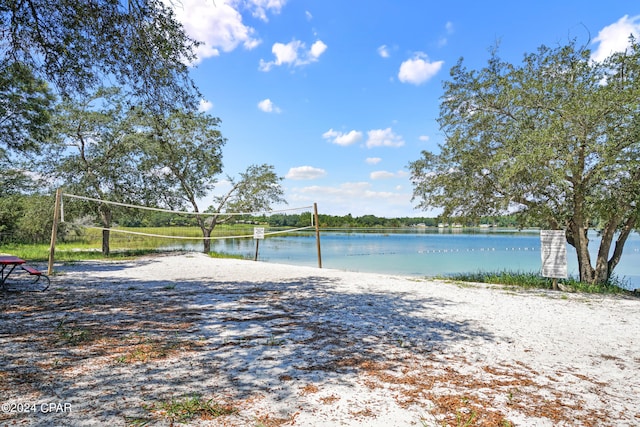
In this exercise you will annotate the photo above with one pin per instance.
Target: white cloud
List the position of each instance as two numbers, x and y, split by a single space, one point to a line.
381 175
205 105
615 37
317 49
442 41
373 160
347 190
387 175
357 198
259 8
383 51
294 53
341 138
418 69
384 138
268 106
286 53
305 172
308 15
449 27
423 138
218 25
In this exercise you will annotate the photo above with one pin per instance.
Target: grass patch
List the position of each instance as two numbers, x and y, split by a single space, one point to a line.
146 350
530 280
73 335
226 255
190 407
274 342
70 252
137 421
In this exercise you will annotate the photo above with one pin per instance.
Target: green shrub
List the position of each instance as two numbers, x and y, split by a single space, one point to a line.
531 280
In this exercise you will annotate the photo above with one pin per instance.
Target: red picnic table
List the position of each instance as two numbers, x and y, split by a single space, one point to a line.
8 264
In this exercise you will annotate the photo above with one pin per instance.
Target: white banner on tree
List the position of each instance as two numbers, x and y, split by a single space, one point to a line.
554 253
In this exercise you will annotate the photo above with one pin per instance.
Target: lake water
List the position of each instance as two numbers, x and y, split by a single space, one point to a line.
423 252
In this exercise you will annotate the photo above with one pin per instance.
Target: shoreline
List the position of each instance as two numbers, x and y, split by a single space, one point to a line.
292 345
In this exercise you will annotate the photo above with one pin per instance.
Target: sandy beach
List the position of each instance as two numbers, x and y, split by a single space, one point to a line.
132 343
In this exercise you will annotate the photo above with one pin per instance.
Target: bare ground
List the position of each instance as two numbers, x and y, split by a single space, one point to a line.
192 340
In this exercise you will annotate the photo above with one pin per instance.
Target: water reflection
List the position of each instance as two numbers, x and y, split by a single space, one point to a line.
417 251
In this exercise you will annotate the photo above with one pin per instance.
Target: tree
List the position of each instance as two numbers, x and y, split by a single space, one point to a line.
75 47
555 139
254 191
25 104
79 44
185 152
98 154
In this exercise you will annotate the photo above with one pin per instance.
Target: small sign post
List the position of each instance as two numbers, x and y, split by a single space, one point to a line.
554 255
258 234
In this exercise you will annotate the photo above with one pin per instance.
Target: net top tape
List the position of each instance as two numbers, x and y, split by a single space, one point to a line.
183 212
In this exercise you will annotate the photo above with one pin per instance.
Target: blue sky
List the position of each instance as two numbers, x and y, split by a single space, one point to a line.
341 95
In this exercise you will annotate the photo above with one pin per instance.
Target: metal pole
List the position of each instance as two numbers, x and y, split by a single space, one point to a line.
315 218
54 230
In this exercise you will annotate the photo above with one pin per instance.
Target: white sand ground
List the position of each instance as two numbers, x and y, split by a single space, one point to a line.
114 343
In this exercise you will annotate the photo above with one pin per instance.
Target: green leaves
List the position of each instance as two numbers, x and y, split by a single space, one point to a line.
556 138
25 103
96 153
257 188
78 44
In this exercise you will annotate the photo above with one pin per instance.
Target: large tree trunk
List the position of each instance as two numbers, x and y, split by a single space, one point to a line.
206 241
105 216
627 228
577 237
105 242
604 264
207 229
602 270
587 272
578 227
206 232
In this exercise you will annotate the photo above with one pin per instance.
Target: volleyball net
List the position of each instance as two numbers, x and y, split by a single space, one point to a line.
84 222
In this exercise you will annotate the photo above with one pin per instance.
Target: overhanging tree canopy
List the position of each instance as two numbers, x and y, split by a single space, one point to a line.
25 104
25 109
75 47
80 44
556 138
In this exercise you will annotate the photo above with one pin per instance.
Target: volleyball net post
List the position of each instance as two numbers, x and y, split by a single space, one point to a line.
317 225
54 231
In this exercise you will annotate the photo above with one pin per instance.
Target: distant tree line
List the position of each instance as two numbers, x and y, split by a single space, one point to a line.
372 221
161 219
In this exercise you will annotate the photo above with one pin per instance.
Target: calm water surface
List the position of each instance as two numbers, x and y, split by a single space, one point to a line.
423 252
